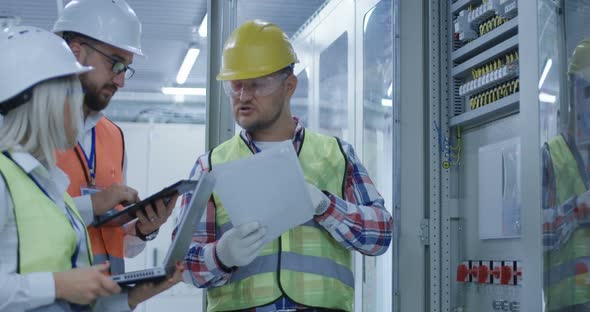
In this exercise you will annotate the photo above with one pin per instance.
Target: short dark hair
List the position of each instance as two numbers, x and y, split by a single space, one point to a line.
70 36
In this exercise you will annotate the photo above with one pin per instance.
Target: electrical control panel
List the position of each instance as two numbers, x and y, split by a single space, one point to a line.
484 60
484 79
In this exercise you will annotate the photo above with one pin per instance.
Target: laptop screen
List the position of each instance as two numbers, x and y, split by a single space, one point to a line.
189 220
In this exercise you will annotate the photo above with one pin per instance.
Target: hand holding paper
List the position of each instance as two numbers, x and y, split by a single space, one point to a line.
268 187
320 201
241 245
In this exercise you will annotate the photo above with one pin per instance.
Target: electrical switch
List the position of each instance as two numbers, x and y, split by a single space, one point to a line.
462 28
462 272
496 272
474 270
506 275
483 274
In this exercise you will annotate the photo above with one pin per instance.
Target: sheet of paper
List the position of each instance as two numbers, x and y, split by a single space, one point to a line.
268 187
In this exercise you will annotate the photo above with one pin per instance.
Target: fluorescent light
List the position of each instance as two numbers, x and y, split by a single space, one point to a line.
187 65
390 90
203 27
547 98
184 91
387 102
367 17
548 65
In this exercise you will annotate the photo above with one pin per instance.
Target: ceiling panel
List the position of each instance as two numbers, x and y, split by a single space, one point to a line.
167 34
169 28
32 12
287 14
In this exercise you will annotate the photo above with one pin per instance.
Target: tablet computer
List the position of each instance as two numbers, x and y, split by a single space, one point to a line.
189 219
129 213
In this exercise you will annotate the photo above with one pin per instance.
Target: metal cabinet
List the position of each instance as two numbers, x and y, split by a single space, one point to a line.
508 96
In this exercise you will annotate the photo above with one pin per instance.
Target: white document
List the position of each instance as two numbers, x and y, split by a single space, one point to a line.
268 187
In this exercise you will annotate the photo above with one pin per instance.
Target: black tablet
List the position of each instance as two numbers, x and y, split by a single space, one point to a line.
129 213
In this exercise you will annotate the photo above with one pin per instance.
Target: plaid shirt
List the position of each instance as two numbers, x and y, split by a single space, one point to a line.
358 222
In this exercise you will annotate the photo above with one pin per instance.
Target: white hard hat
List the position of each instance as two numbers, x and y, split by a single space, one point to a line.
30 55
111 21
580 61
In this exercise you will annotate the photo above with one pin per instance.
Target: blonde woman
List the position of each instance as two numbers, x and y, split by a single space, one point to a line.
45 253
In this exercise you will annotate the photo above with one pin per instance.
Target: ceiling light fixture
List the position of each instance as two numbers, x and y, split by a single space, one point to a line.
547 98
367 17
203 27
187 65
548 65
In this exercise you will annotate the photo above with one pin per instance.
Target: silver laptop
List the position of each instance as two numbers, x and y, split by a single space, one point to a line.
182 240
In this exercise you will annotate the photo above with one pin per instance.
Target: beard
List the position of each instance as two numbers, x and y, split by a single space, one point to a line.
93 98
263 123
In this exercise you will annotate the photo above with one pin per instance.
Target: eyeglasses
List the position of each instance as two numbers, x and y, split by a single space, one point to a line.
118 66
257 87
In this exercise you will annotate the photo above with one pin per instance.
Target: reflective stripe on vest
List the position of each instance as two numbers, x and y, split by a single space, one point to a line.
107 242
297 262
315 270
566 277
46 239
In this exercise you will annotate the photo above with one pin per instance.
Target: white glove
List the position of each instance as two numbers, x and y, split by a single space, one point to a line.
320 201
241 245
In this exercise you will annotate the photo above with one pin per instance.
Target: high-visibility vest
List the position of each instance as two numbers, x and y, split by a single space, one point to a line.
566 271
46 238
306 263
107 241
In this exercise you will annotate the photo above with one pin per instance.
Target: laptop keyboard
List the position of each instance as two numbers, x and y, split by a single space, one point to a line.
133 275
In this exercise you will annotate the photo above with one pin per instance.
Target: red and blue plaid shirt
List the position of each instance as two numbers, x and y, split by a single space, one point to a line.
359 221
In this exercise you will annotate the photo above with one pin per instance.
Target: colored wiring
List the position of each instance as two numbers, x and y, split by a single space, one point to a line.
450 153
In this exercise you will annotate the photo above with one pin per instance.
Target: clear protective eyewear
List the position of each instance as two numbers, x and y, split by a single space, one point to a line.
256 87
117 66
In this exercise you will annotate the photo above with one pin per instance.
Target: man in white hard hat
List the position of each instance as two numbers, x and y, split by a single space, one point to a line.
105 34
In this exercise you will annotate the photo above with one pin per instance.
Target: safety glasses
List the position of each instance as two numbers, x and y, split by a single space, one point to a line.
117 66
256 87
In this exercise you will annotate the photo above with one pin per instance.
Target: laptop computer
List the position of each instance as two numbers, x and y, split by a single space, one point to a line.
129 213
182 240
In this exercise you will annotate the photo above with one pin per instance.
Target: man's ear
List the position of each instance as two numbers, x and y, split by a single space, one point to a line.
291 85
77 50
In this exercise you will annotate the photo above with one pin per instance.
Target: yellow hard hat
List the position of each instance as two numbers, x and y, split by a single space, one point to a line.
255 49
580 62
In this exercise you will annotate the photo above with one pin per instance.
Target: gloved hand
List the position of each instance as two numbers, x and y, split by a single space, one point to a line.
320 201
241 245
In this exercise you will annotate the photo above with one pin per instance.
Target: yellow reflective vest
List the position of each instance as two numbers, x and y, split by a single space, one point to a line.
306 264
46 238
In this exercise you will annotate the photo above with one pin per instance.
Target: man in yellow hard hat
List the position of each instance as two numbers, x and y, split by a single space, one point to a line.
566 201
309 267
